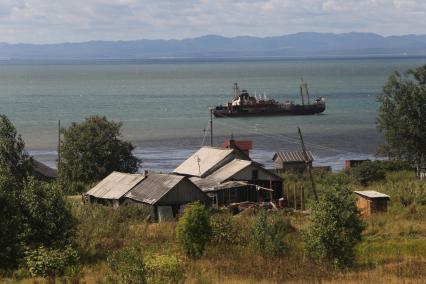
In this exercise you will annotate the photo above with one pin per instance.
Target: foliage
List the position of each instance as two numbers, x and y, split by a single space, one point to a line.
13 156
193 230
10 221
47 215
402 116
93 149
50 262
335 229
127 266
369 171
267 237
224 230
164 269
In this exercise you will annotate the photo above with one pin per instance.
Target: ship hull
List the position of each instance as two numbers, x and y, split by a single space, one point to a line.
224 111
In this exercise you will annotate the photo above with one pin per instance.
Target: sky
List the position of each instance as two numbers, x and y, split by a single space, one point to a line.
53 21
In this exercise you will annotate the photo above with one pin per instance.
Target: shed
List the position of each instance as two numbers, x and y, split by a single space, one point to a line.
294 160
370 201
166 193
111 190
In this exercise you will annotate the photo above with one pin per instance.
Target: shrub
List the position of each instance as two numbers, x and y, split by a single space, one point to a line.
47 262
126 266
335 228
193 230
369 172
164 269
225 230
267 237
47 215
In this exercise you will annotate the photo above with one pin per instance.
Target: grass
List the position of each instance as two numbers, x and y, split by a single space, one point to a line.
393 249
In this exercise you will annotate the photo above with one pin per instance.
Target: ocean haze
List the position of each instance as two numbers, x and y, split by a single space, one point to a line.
163 104
213 46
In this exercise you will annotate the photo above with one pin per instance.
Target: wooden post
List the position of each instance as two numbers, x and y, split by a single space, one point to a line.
302 197
211 127
294 197
287 195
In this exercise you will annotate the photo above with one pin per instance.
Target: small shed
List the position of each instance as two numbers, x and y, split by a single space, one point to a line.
370 201
167 194
294 160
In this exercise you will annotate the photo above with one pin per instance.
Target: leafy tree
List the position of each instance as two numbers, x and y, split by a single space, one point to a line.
126 265
46 214
402 116
193 230
93 149
335 228
13 156
369 171
267 237
10 221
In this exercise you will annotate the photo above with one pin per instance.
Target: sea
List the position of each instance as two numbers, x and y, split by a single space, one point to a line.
164 104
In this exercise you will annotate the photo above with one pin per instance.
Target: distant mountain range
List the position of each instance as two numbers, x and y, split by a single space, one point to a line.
212 46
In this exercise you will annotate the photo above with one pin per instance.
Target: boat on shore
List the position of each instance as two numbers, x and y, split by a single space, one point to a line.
245 104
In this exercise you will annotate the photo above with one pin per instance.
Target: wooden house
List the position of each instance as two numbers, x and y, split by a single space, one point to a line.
370 201
292 161
227 178
166 194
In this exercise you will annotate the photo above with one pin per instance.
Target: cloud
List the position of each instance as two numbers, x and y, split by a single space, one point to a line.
80 20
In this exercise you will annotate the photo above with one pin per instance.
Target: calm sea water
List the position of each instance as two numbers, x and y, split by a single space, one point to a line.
164 104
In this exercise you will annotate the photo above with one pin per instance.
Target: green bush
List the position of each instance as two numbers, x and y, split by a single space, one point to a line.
47 262
335 228
369 172
267 235
224 230
126 266
193 230
164 269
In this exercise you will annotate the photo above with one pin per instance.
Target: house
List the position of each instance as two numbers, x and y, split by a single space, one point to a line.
166 194
112 189
370 201
228 176
295 160
42 171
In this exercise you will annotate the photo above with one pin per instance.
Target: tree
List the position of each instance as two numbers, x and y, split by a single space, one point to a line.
93 149
10 221
193 230
13 156
46 214
335 228
402 116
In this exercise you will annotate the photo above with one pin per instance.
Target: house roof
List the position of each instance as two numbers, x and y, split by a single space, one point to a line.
230 169
202 161
115 186
372 194
43 169
294 156
153 187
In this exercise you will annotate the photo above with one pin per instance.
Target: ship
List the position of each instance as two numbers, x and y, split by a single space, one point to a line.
245 104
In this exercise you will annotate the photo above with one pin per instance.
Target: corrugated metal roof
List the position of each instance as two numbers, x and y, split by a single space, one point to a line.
153 187
115 185
372 194
295 156
225 185
230 169
43 169
202 161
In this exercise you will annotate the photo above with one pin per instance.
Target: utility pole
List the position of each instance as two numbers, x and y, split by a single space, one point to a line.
308 165
211 127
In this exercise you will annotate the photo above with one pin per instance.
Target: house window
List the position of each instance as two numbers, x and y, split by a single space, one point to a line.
254 175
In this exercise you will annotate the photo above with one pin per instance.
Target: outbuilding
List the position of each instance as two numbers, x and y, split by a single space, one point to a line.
295 160
370 201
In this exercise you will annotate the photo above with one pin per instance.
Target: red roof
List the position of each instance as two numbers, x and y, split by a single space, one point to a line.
244 145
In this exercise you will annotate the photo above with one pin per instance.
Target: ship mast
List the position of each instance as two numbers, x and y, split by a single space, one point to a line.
236 90
301 92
